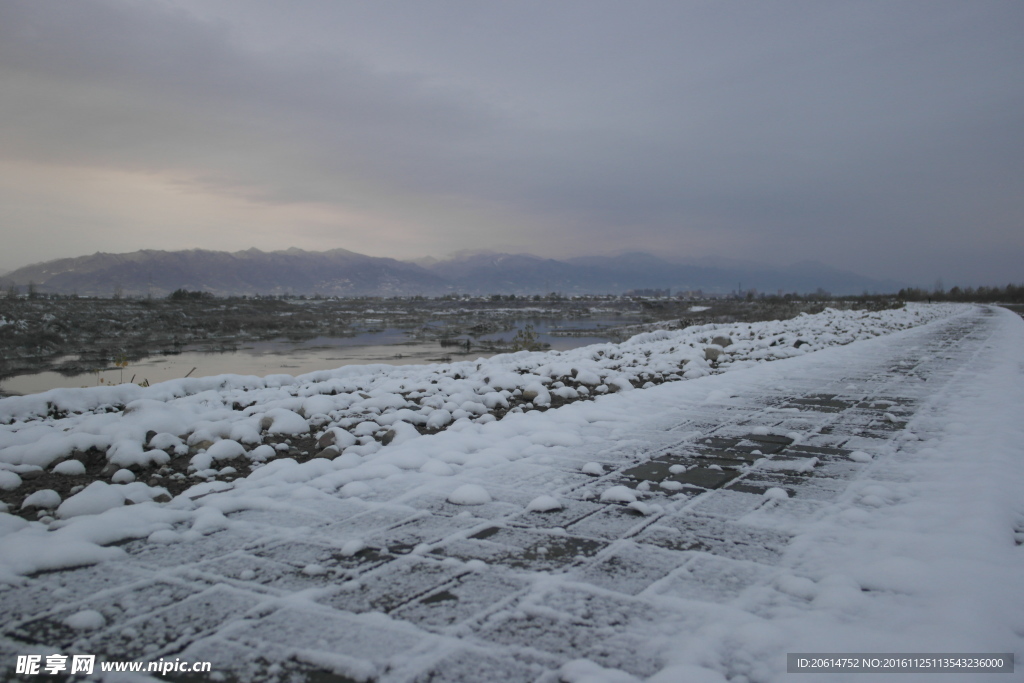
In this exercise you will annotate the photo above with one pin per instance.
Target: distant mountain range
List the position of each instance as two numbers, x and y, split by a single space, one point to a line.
344 273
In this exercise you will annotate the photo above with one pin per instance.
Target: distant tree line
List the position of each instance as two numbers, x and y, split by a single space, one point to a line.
186 295
1011 294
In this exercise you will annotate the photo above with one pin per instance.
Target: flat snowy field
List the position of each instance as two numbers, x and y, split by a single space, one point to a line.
671 519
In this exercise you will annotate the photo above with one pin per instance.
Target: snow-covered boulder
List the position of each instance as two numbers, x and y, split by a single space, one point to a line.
46 499
95 498
469 494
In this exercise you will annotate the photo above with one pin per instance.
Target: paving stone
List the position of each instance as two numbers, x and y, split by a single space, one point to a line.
609 523
310 512
788 423
814 488
116 607
631 569
438 504
237 663
371 641
537 550
377 518
727 503
393 585
706 477
252 572
824 452
523 476
159 555
244 567
777 439
842 470
597 607
571 639
717 536
821 403
404 537
599 619
475 664
719 442
173 627
572 511
713 579
298 554
724 458
469 595
782 514
288 519
50 591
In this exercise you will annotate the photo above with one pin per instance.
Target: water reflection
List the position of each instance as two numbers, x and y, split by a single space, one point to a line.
391 346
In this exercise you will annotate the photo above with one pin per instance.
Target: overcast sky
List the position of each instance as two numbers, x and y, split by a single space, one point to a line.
881 137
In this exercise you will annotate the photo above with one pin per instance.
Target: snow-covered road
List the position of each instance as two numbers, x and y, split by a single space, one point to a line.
861 498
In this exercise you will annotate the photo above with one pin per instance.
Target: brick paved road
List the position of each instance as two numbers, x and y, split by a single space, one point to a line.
493 592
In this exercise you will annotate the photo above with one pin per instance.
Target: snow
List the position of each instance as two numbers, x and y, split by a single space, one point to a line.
284 421
70 467
795 465
123 476
907 543
469 494
227 449
86 620
45 499
618 494
544 503
95 498
350 548
9 480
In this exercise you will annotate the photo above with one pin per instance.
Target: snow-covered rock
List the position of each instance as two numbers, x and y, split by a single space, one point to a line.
618 494
86 620
9 480
544 503
469 494
69 467
123 476
44 499
93 499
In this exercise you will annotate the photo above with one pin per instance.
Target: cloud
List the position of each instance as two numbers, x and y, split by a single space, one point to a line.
779 131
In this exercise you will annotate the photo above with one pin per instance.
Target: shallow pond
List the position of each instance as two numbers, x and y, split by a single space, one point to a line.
391 346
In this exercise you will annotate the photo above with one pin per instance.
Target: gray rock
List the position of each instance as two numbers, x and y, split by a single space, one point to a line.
330 453
722 341
389 437
329 438
529 395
